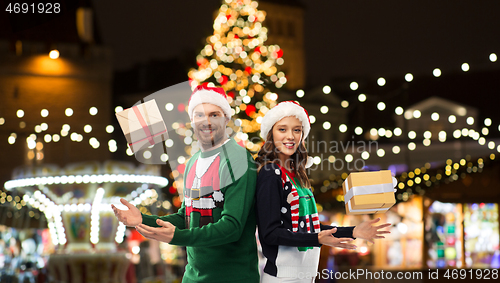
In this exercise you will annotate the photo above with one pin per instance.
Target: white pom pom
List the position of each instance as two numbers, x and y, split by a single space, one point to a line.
309 162
218 196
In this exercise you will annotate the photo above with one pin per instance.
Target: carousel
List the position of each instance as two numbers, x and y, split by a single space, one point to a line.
76 201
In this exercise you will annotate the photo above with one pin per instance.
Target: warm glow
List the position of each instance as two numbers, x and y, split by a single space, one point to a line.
409 77
327 89
68 112
93 111
44 113
327 125
436 72
343 128
493 57
381 106
54 54
358 131
362 97
354 86
399 110
435 116
381 81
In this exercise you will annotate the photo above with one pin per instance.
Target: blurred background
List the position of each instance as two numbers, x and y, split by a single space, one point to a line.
409 86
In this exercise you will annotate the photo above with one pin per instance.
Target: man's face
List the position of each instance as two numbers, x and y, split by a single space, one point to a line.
209 124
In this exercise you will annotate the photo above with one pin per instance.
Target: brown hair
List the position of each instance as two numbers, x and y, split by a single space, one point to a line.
269 154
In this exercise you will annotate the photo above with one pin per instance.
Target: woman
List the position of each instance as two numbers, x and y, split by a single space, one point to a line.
289 229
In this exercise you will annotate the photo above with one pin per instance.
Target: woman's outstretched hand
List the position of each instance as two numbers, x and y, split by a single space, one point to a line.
325 237
368 232
131 217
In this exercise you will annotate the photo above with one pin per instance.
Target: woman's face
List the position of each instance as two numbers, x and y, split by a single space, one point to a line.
286 135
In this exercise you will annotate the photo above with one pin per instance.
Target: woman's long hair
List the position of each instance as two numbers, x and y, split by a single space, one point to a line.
269 154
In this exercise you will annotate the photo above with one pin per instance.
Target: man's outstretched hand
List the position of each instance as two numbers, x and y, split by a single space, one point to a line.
164 233
131 217
368 232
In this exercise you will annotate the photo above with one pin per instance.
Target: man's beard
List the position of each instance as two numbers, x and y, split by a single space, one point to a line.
209 140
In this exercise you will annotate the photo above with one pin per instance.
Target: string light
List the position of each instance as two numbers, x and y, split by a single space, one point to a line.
381 106
381 81
362 97
470 120
169 106
354 85
399 110
436 72
327 125
343 128
358 131
93 111
327 89
96 178
493 57
409 77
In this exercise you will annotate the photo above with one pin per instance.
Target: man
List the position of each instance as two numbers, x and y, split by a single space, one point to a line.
216 221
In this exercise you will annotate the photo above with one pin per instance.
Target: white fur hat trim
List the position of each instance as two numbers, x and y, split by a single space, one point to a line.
282 110
211 97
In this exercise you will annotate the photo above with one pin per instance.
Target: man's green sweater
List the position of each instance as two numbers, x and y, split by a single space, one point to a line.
216 221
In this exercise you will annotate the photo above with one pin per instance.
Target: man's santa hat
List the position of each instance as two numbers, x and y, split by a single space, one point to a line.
282 110
212 95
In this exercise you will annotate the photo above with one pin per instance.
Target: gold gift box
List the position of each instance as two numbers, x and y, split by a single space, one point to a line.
372 192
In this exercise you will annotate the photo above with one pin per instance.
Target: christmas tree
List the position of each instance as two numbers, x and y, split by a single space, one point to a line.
236 58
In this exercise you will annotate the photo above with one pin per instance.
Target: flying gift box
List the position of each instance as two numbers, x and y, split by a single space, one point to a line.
369 192
142 125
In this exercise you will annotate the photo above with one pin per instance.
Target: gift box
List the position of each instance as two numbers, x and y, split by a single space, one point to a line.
369 192
142 125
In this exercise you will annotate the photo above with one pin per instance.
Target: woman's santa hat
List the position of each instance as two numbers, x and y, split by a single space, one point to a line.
282 110
212 95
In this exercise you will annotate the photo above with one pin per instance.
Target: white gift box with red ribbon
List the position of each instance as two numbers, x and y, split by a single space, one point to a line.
142 125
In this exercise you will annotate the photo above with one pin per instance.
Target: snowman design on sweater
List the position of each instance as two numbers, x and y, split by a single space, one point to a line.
202 193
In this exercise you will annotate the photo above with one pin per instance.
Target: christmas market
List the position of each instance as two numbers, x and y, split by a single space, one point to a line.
249 141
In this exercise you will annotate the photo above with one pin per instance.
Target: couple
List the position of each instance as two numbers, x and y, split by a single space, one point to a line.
224 199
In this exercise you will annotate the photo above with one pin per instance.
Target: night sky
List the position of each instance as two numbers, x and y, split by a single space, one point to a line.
344 40
356 40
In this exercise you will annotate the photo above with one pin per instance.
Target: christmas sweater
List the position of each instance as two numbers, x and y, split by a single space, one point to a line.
216 221
288 224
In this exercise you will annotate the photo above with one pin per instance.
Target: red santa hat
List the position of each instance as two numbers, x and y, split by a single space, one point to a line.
282 110
212 95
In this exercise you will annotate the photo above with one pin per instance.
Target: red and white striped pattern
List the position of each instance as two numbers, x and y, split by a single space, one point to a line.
315 218
294 207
